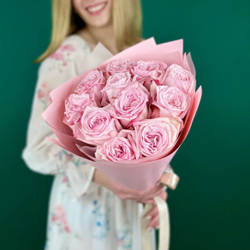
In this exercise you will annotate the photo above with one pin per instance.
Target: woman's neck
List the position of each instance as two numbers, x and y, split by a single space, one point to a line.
105 35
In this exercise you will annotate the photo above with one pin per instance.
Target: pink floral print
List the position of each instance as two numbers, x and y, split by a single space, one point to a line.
43 94
63 55
57 56
67 47
64 179
60 216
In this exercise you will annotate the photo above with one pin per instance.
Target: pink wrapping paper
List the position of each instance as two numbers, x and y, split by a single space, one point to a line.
138 174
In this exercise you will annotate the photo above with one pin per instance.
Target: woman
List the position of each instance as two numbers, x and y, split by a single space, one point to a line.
87 209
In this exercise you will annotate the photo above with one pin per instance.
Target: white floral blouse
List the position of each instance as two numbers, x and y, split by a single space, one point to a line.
82 214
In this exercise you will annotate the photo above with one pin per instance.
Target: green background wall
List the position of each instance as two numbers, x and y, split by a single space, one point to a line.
210 208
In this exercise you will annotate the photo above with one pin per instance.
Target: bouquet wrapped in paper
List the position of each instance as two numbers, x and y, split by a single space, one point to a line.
128 115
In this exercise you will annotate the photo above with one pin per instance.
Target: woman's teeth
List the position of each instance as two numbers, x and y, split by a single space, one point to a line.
96 8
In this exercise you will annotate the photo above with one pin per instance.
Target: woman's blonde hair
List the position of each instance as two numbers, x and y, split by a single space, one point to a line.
127 23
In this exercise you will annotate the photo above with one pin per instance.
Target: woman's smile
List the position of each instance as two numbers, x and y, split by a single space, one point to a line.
96 9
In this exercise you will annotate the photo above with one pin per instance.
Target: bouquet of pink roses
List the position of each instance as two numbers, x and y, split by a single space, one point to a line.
130 109
129 115
134 109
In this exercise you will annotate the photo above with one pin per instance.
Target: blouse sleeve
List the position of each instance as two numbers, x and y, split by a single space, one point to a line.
39 154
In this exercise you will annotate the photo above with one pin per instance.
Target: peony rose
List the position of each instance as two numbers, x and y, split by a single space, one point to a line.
131 104
181 78
118 149
74 107
96 126
171 101
146 71
115 84
154 136
92 84
119 66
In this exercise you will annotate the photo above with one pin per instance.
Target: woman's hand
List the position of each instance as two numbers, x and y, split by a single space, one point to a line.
124 193
153 214
145 196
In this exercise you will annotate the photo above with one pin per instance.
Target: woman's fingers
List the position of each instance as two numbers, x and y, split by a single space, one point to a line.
148 193
147 196
159 192
154 189
164 195
152 213
152 193
148 201
154 222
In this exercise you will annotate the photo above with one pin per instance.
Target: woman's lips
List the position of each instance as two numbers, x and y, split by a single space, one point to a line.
96 9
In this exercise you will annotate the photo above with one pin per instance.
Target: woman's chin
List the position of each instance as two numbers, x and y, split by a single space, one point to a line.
99 22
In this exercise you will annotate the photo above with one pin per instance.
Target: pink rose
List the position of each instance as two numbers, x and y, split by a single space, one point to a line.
154 136
119 66
181 78
150 70
117 149
74 107
96 126
92 84
131 104
171 101
115 84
